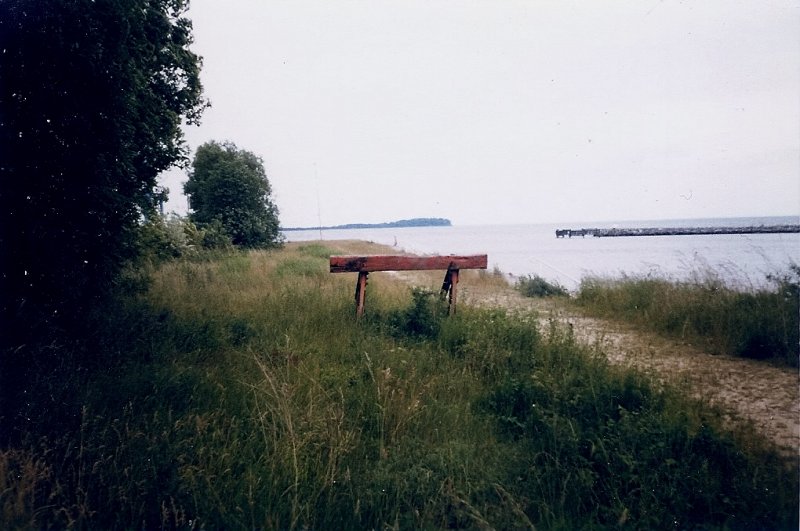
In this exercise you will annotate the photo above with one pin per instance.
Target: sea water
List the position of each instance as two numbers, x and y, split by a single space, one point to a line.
742 260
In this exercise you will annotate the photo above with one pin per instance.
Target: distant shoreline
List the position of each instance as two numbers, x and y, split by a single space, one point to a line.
403 223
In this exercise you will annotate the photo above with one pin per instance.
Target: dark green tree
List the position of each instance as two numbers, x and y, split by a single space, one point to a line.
92 95
228 186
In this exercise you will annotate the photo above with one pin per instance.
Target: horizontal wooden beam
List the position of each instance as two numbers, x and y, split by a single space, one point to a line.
365 264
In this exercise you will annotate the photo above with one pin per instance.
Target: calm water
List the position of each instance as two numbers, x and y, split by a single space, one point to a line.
742 260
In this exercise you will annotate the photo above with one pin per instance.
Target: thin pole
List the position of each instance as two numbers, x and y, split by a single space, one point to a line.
319 209
361 293
453 290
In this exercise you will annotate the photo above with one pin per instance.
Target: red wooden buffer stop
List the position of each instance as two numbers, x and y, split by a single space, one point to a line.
363 265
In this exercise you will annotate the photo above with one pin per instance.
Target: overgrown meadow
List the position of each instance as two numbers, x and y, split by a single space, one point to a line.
240 392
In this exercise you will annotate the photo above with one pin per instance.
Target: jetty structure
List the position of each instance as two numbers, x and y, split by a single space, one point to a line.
677 231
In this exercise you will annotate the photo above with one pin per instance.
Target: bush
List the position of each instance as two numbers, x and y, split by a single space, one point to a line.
423 318
163 238
536 286
211 236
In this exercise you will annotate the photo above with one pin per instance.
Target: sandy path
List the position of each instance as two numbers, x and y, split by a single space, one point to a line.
769 396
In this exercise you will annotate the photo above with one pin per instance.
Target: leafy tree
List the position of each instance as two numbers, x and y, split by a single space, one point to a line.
92 94
229 186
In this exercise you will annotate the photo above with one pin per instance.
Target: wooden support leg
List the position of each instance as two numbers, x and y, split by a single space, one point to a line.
449 289
453 290
361 292
445 291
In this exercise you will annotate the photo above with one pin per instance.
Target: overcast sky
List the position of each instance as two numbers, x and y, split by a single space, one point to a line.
507 111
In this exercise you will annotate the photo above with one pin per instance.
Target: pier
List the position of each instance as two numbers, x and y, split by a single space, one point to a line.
677 231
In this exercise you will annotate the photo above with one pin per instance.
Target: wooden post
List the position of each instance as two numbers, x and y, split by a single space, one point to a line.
453 290
361 292
446 283
450 289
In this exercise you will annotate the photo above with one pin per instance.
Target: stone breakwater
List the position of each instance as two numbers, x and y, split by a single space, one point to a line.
676 231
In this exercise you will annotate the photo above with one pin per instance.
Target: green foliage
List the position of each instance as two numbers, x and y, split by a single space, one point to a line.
212 236
229 187
162 239
92 97
761 324
243 398
536 286
423 318
176 237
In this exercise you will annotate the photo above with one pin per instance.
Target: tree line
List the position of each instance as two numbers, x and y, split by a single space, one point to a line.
92 97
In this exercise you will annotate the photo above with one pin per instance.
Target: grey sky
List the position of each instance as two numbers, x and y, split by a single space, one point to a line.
507 111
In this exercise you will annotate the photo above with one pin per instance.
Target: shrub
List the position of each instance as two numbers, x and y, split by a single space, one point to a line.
163 238
210 236
536 286
157 242
423 318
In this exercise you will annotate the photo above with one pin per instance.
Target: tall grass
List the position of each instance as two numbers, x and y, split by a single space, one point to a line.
245 395
761 323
